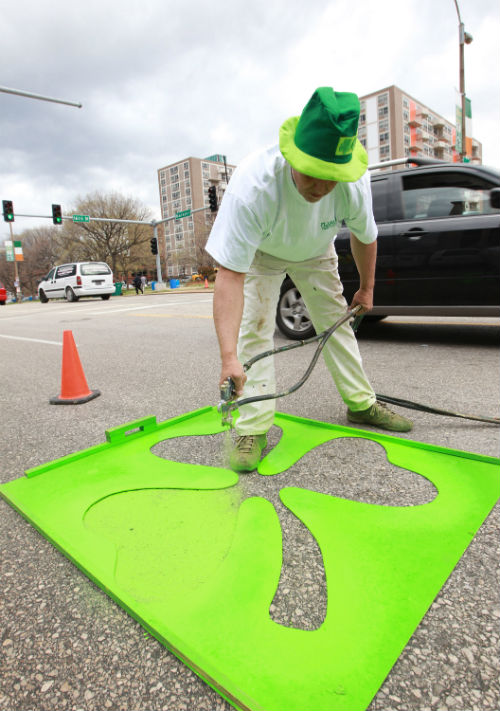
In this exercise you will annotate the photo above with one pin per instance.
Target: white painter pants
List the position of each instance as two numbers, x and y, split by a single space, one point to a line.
319 284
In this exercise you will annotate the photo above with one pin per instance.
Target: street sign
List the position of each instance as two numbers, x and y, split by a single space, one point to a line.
184 213
81 218
9 250
18 251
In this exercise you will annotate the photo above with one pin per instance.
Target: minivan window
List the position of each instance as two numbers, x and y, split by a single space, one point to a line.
93 268
66 270
445 195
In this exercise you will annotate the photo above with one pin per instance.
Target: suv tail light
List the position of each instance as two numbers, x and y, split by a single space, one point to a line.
78 280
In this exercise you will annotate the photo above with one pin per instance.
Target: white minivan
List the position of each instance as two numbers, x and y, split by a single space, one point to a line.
72 281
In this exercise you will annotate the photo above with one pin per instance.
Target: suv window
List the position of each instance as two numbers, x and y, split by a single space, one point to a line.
379 198
445 195
91 269
66 270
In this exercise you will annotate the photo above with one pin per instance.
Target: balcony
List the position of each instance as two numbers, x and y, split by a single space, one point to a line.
415 122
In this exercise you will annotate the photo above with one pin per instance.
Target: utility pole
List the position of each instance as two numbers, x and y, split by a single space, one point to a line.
463 39
17 283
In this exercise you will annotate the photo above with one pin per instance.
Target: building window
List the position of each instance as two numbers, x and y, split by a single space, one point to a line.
384 137
383 99
385 152
383 111
174 170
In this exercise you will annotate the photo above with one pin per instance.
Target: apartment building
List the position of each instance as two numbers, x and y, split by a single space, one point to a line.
183 186
395 125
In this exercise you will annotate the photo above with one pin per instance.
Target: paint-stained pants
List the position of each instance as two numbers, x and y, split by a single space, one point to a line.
319 284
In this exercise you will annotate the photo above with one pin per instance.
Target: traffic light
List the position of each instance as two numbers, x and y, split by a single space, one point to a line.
154 245
57 215
8 210
212 198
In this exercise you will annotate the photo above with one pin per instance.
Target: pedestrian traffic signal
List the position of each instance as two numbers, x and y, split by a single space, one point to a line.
154 245
8 210
57 215
212 198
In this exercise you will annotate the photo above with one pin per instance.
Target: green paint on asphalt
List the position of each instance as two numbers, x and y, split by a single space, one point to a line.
175 545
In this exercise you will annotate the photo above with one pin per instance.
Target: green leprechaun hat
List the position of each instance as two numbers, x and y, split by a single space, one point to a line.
323 142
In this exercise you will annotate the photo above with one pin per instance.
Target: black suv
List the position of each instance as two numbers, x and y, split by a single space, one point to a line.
438 246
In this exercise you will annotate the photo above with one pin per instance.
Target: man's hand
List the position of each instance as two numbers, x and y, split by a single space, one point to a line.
365 256
363 298
228 308
233 369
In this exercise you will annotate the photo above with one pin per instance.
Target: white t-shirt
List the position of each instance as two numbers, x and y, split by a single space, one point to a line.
263 210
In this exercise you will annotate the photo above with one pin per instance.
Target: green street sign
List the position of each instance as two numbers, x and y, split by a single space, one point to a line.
81 218
184 213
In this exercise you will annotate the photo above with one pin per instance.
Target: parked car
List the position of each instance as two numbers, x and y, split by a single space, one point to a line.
438 246
3 294
76 280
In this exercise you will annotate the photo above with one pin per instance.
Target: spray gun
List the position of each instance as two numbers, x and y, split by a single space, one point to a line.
227 394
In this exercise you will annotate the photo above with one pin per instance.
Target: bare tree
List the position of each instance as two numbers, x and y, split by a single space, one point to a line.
121 245
40 252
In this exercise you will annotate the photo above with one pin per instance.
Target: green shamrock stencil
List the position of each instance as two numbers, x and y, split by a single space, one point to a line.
196 554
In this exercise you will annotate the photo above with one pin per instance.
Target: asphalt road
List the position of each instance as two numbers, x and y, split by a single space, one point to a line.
65 645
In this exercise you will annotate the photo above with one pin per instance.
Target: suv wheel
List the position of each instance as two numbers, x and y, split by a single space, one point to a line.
292 316
43 297
70 295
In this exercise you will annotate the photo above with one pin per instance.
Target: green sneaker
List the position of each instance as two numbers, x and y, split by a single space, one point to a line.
246 452
379 415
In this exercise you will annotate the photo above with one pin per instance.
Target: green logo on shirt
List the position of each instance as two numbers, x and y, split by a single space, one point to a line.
327 225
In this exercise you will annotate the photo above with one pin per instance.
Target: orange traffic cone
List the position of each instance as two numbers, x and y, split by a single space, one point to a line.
74 388
206 283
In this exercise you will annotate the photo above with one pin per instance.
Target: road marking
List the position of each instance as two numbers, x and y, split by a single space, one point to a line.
398 322
173 315
152 306
33 340
84 311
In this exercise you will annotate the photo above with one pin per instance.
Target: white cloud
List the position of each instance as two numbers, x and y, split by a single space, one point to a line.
163 80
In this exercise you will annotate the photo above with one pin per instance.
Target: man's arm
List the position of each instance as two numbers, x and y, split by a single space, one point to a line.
228 310
365 256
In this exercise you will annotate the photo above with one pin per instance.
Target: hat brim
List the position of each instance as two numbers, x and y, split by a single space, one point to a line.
315 167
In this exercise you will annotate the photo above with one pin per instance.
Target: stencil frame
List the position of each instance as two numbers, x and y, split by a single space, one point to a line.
390 561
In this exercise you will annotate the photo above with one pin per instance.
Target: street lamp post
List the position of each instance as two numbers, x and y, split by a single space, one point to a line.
463 39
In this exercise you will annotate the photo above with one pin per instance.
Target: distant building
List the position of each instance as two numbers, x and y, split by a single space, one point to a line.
395 125
184 186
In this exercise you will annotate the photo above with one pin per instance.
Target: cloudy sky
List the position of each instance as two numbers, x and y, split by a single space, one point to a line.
161 80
